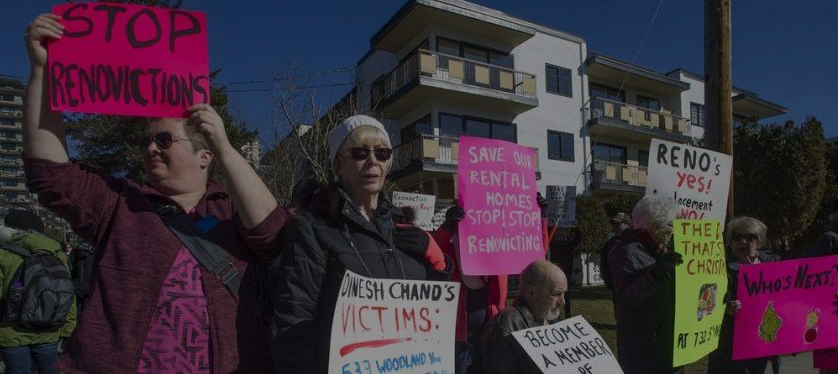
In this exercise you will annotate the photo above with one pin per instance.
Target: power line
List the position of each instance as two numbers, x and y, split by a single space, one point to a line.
295 88
622 85
280 79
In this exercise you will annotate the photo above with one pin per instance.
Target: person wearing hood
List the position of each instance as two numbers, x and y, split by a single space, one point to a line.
349 225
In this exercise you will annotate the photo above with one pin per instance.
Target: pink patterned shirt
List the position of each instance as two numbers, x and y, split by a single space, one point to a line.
178 339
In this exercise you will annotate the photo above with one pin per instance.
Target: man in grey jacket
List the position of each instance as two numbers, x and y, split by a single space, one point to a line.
542 286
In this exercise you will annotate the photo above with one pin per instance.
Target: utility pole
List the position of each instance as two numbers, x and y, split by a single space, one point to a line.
718 106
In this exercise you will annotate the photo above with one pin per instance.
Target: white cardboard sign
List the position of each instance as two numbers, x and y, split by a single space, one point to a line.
697 179
393 326
561 206
423 205
571 346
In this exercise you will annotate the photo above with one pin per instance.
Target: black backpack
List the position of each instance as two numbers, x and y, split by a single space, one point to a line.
41 292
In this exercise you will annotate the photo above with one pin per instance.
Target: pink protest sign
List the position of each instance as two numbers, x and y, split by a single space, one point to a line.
787 307
826 358
501 233
128 60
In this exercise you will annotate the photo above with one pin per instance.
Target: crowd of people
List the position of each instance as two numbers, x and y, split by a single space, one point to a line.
190 275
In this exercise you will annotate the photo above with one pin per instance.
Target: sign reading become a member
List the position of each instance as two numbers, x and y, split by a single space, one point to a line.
700 286
501 233
128 60
571 346
393 326
697 179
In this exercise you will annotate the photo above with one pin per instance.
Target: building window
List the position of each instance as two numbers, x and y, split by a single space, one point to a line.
10 195
8 146
9 183
559 146
558 80
648 103
7 110
455 126
609 93
7 122
7 97
643 158
697 114
610 153
416 129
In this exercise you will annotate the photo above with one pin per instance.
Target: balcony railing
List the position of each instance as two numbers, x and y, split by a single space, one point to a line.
440 149
612 173
662 120
453 69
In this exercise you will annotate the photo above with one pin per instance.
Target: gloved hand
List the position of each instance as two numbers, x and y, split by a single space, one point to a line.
455 214
411 240
664 266
303 192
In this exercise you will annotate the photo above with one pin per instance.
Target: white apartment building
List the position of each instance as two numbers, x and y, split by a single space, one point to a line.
443 68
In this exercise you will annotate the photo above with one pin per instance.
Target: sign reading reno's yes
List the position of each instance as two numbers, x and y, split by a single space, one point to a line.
697 179
787 307
571 346
423 206
501 233
128 60
393 326
700 286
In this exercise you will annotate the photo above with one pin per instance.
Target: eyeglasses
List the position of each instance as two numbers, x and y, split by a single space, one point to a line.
748 237
163 139
361 154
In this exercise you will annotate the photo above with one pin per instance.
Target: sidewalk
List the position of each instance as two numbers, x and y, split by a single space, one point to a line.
800 364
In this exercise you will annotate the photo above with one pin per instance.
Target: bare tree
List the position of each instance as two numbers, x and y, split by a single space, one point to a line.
301 149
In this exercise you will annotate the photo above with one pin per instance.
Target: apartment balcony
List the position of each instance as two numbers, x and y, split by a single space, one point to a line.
16 162
15 138
616 177
426 75
631 122
17 174
432 154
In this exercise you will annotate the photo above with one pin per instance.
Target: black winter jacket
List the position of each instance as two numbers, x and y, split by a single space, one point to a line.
318 245
645 308
499 352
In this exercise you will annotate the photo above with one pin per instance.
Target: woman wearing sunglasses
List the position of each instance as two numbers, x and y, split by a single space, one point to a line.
745 236
350 225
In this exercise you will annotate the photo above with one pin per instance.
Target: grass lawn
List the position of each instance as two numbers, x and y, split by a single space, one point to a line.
594 303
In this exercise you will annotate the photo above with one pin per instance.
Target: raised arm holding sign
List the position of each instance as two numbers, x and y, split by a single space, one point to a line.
151 284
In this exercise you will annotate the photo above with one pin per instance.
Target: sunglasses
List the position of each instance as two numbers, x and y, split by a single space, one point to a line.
749 237
361 154
163 140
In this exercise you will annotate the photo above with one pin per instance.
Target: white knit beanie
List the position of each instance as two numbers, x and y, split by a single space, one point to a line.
340 132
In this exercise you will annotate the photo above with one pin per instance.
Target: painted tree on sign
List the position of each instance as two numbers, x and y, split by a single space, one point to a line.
779 176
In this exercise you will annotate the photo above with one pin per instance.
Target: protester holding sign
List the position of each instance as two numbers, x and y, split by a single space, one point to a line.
542 286
481 297
153 308
745 236
827 243
643 267
349 226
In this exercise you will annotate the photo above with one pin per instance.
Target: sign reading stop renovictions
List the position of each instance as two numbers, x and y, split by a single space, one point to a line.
128 60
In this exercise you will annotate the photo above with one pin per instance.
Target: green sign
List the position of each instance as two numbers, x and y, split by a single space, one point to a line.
700 286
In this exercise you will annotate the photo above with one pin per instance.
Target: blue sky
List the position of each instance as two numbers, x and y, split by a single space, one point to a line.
782 50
